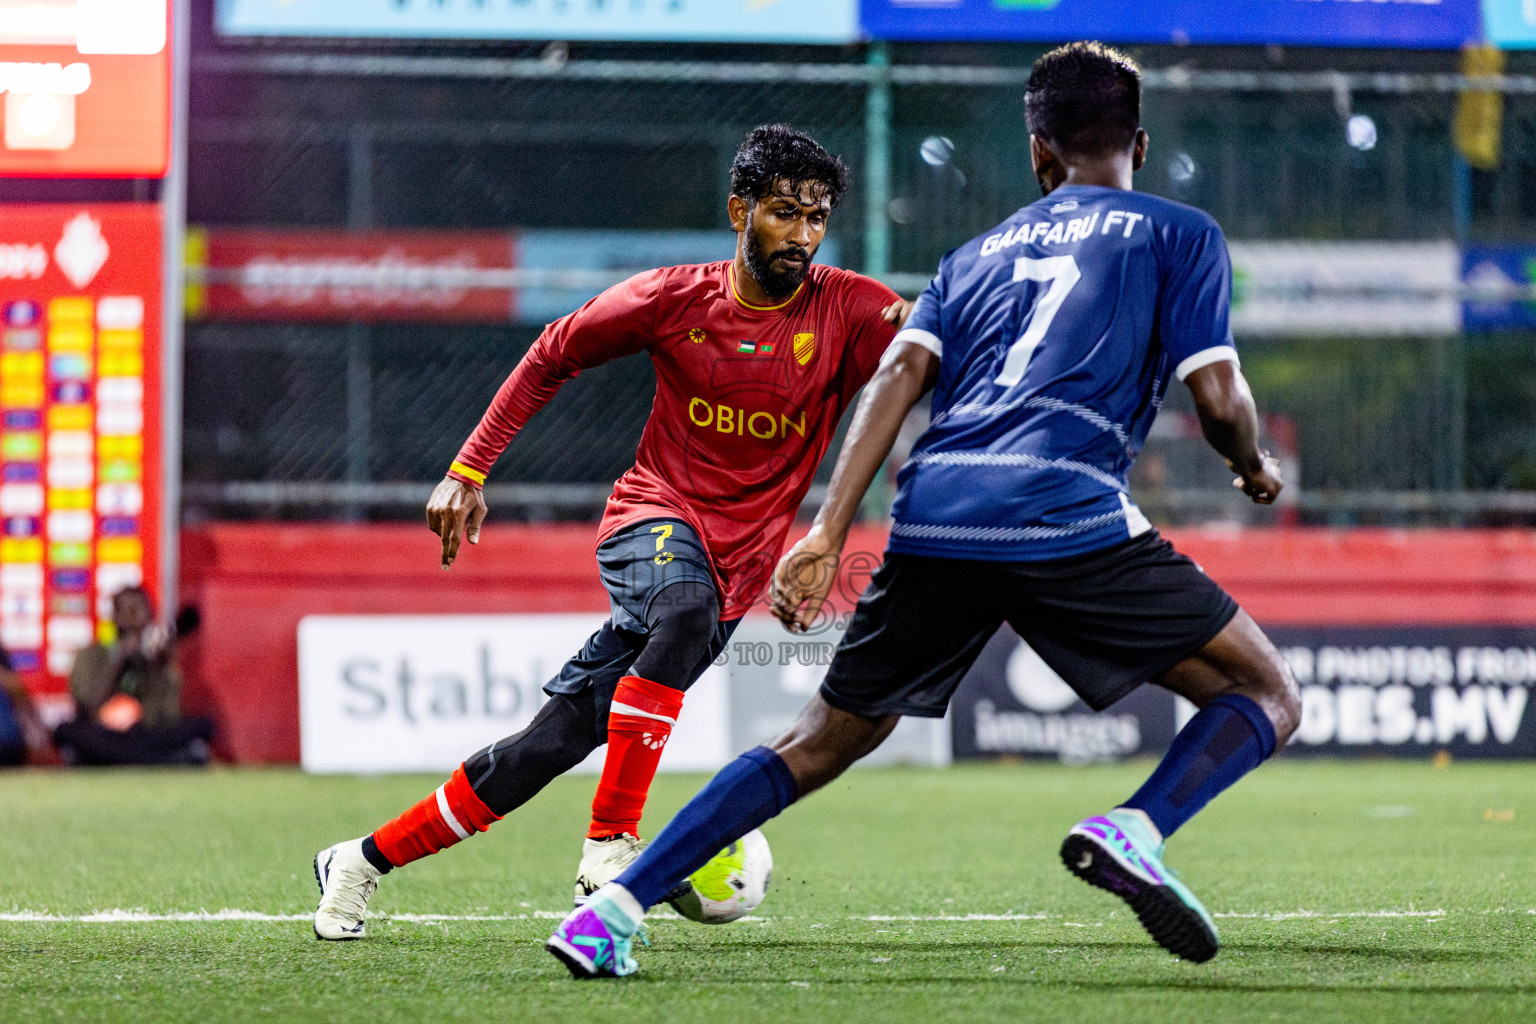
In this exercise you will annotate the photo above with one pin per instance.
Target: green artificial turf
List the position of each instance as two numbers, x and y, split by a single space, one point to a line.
1360 891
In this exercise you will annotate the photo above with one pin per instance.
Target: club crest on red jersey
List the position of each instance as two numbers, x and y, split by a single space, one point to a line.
805 348
698 335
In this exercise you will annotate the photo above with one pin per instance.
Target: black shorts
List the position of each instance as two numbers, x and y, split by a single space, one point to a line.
1106 621
636 564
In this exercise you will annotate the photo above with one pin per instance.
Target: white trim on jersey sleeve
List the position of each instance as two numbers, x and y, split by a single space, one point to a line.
918 336
1202 359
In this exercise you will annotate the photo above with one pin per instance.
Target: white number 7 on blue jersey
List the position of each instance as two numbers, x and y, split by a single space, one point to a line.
1063 275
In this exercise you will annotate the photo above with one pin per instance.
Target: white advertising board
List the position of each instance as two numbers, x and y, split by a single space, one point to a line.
420 693
1339 289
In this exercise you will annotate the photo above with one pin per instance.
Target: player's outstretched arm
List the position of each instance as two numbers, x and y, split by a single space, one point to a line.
1230 423
619 322
804 575
455 512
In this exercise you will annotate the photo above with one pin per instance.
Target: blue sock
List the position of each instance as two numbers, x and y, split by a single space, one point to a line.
747 792
1227 739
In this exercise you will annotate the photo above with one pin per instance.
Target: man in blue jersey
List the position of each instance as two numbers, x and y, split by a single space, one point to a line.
1049 343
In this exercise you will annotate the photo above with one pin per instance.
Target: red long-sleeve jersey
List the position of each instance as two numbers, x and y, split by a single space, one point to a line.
747 401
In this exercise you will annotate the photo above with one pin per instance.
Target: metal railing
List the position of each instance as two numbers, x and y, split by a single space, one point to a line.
1174 79
1177 505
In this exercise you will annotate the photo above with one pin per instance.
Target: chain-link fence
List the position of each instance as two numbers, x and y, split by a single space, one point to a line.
358 419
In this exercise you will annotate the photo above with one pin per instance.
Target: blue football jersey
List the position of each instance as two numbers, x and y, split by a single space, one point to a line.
1057 332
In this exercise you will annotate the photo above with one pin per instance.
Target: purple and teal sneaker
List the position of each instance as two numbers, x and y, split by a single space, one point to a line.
589 948
1119 853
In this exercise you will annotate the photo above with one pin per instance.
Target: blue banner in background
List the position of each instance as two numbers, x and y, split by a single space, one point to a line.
1511 23
763 21
1429 24
1494 271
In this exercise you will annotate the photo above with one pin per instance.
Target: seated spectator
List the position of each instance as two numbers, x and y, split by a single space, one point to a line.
20 728
128 696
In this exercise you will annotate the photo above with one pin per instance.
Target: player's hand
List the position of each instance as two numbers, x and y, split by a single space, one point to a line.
803 580
1263 486
897 312
455 512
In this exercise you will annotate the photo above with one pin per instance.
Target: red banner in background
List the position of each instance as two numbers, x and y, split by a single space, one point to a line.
80 428
256 274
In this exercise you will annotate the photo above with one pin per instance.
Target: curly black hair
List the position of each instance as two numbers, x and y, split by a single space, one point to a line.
1084 97
777 159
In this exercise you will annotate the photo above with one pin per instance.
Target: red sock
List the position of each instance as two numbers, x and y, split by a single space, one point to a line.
639 723
452 813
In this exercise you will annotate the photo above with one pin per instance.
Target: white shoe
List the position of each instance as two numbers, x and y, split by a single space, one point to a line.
346 881
603 860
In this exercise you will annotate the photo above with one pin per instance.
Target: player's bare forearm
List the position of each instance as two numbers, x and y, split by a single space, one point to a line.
805 574
1230 423
902 379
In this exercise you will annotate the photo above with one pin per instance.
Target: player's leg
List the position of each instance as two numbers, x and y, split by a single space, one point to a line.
918 627
679 644
1113 619
823 742
760 784
487 786
684 637
1249 706
663 592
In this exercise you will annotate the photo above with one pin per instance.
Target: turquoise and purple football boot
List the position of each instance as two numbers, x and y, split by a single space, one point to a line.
1121 854
589 948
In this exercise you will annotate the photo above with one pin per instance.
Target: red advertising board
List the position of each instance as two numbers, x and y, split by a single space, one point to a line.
80 425
85 88
255 582
255 274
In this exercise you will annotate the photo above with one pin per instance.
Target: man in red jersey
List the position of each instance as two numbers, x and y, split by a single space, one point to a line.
756 358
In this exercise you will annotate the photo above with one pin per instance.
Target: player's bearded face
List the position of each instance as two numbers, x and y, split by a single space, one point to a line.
781 238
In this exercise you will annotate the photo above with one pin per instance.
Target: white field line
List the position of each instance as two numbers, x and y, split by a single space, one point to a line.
119 916
1305 915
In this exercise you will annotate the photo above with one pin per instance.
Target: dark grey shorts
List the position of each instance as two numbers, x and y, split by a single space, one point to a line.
637 564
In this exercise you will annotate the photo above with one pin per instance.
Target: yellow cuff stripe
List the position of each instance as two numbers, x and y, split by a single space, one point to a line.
463 470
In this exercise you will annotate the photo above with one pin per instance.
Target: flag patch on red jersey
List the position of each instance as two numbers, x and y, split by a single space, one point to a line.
746 347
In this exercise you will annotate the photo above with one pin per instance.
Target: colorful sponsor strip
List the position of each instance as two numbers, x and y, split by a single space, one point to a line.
76 524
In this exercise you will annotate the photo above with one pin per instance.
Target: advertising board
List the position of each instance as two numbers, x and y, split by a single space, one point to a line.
295 275
401 693
1345 289
1396 690
1491 273
80 326
277 274
420 693
1413 689
1437 24
776 21
86 87
1511 23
